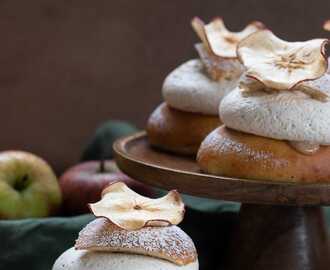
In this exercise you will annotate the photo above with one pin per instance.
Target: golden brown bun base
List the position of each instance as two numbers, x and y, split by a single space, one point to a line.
241 155
177 131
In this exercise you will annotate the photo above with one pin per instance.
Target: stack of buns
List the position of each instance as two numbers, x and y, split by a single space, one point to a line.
193 91
135 232
277 121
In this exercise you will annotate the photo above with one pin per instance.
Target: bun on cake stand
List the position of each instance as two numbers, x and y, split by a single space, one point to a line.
192 92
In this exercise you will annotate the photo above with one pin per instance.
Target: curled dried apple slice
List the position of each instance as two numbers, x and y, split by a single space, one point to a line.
326 25
218 39
219 68
247 85
131 211
282 65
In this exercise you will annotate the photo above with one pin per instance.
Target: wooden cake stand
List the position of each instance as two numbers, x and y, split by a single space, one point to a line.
281 224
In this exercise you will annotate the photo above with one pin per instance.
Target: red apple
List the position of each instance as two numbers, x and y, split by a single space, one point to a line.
83 184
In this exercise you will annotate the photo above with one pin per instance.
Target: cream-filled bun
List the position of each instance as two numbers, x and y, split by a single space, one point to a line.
192 92
199 85
132 232
285 115
190 89
277 121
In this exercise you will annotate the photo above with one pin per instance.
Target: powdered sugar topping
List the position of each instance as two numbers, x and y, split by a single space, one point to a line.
170 243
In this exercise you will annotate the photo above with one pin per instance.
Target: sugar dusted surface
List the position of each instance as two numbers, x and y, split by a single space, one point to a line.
228 145
169 243
225 145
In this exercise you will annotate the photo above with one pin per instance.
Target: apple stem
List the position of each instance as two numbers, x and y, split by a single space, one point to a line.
22 183
102 166
25 178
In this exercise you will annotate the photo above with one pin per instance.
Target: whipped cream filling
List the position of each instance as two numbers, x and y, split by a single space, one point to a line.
190 88
283 115
306 148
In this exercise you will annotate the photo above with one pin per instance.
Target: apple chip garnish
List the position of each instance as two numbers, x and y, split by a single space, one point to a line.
218 48
218 68
282 65
218 39
131 211
326 25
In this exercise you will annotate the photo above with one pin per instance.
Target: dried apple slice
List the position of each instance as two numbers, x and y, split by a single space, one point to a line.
326 25
218 48
218 39
219 68
279 64
199 26
131 211
248 84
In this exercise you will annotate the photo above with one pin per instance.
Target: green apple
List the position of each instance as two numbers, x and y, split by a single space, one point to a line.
28 186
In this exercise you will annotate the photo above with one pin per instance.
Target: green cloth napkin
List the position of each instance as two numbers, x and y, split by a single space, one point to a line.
36 243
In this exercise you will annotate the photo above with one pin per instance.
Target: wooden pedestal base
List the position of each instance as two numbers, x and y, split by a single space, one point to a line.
280 238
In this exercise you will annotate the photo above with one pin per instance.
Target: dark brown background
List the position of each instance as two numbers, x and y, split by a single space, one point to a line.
67 66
